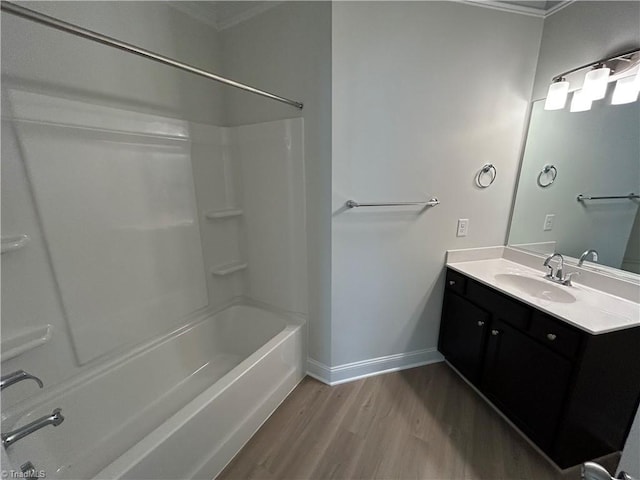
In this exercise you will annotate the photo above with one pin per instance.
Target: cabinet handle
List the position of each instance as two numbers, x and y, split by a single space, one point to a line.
551 336
452 282
480 323
495 332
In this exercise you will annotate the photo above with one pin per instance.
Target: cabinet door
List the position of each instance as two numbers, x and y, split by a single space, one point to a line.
462 335
526 380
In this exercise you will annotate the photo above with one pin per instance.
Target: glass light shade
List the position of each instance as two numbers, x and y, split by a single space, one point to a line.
557 95
626 91
580 102
595 83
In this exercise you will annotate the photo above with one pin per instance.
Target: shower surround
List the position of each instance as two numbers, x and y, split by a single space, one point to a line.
177 255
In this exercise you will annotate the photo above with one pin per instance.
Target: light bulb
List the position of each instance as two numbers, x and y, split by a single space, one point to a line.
580 102
626 91
595 83
557 95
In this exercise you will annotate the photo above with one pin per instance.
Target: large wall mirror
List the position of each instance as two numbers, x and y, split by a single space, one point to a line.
595 153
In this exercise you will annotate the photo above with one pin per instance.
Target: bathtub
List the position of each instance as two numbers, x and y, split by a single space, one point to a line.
180 408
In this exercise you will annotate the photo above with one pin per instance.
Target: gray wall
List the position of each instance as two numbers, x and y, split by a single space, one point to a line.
578 34
41 58
424 94
287 50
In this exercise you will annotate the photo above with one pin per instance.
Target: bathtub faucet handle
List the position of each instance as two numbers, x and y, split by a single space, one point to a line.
18 376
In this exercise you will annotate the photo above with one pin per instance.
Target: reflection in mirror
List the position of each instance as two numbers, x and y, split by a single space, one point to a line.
595 153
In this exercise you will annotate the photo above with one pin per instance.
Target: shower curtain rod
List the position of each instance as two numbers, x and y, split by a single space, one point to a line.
43 19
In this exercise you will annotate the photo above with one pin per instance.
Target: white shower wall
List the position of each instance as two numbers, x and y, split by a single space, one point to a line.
120 249
257 172
271 158
150 104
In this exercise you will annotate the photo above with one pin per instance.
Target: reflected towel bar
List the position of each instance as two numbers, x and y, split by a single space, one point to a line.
78 31
582 198
431 203
15 242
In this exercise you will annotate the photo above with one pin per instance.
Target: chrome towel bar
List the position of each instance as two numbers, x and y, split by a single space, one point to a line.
582 198
430 203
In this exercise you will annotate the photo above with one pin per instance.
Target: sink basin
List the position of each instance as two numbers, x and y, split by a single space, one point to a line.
539 288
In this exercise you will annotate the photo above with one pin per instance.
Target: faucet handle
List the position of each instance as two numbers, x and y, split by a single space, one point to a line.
567 279
550 267
18 376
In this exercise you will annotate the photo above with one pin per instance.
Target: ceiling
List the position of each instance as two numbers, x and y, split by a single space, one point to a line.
225 14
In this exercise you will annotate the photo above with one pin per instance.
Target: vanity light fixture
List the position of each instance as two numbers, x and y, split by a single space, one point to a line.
557 95
595 82
627 90
580 102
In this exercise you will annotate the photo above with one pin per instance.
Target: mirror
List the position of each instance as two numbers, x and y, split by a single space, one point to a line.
593 153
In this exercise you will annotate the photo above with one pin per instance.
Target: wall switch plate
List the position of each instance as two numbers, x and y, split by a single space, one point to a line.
548 221
463 227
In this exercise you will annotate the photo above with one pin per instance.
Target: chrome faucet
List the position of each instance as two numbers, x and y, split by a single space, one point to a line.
13 436
18 376
584 256
558 275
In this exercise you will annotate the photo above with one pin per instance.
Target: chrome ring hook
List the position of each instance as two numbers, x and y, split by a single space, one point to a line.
486 168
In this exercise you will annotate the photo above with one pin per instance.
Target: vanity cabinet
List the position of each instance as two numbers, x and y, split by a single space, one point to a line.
526 380
572 393
463 336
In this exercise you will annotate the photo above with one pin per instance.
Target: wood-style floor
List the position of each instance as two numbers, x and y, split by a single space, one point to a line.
422 423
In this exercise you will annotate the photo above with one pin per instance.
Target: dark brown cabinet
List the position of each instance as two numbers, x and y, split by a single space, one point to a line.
462 339
531 397
572 393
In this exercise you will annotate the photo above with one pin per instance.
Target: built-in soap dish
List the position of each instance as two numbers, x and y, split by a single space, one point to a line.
20 342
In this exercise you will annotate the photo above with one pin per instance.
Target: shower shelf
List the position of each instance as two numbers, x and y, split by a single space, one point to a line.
228 269
218 214
25 340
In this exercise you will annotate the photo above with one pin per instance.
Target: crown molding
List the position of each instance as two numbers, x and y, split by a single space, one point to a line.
520 9
558 7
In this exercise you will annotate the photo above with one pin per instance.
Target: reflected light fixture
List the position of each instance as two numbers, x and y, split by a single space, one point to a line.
596 81
627 90
580 102
557 94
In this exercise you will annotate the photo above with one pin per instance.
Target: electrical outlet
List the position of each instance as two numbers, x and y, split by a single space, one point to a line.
548 221
463 227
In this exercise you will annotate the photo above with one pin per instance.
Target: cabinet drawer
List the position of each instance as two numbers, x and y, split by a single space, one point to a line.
500 306
555 334
456 282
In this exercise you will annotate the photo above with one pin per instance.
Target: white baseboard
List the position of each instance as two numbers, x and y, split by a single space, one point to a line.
373 366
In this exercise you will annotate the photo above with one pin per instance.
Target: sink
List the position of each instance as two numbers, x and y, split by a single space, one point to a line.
539 288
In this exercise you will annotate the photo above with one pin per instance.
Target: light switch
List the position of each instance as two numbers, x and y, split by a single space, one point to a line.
548 221
463 227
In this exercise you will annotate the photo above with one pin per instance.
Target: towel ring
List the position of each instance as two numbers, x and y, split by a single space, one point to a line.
486 168
544 171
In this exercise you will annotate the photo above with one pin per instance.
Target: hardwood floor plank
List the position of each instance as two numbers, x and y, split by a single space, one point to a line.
424 423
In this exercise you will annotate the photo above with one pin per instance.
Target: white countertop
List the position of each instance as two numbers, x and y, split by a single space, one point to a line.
592 310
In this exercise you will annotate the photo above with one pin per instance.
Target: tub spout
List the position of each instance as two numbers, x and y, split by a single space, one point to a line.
12 437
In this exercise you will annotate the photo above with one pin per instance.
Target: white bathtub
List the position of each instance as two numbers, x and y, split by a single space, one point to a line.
179 409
